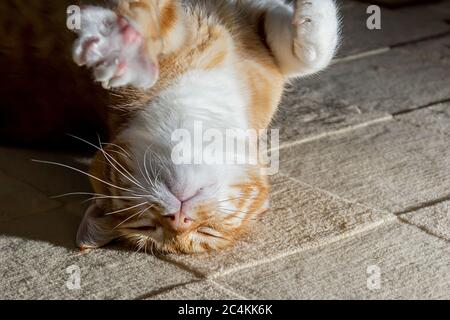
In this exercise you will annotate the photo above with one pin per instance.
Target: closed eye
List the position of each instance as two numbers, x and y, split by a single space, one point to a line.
210 232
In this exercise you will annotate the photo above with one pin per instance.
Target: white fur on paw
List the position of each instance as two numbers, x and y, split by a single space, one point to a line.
112 47
316 30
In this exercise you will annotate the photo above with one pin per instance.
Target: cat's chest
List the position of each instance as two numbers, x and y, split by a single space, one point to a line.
218 97
198 99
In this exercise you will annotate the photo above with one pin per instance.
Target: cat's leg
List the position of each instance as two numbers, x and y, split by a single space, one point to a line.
112 45
303 39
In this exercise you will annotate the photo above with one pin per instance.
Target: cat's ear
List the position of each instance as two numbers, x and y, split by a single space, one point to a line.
96 229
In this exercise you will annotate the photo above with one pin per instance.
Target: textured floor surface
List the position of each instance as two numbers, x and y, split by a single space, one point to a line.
360 208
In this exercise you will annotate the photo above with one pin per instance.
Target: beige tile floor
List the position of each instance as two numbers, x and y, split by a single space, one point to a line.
360 208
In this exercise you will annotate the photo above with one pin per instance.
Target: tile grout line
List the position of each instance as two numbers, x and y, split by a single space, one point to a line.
32 186
423 229
331 133
304 247
165 289
432 128
386 118
423 205
420 40
397 214
361 55
202 276
390 217
335 196
428 105
226 289
58 204
49 211
183 284
381 50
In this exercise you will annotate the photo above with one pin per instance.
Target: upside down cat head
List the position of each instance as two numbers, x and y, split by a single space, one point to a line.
155 205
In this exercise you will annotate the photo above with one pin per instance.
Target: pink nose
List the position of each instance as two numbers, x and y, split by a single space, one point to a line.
178 221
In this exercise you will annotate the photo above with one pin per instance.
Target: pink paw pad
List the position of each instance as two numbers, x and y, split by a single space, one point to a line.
113 48
129 34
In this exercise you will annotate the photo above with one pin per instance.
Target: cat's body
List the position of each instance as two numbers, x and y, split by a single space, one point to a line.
170 64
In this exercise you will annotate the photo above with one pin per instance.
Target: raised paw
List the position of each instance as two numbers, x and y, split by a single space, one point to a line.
114 49
316 29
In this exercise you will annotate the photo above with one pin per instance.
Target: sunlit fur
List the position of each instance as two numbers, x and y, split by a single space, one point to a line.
222 62
220 217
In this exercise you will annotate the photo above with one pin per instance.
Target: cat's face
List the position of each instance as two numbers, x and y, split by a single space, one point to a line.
153 204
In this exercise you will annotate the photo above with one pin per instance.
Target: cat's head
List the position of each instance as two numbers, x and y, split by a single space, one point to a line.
153 204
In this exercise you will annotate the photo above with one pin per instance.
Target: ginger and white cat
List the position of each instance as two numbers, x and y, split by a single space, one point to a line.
168 64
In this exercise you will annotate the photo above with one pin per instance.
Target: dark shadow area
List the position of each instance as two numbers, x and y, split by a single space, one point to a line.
28 188
397 4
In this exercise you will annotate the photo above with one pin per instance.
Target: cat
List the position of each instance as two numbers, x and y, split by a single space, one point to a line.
162 65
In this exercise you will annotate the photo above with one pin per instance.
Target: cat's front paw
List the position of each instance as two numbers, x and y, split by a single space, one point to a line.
316 31
114 49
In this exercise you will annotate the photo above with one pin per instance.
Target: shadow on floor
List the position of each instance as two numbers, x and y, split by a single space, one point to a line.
29 209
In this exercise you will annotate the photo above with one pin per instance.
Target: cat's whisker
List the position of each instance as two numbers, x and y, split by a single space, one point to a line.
145 166
142 173
215 236
237 198
144 245
130 176
112 197
152 169
117 152
162 163
108 157
152 245
76 194
126 209
232 210
228 214
125 152
132 216
158 175
140 243
237 217
95 196
82 172
116 197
